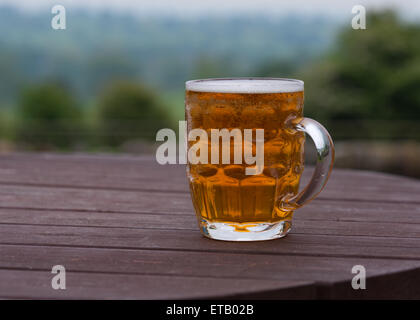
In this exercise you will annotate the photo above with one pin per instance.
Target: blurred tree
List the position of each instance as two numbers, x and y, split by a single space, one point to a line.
128 111
10 76
371 74
47 117
107 66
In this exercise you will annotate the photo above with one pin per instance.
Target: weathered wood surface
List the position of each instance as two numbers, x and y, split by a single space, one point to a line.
124 227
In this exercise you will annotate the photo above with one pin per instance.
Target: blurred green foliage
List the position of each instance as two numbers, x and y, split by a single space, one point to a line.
163 49
367 86
127 111
48 117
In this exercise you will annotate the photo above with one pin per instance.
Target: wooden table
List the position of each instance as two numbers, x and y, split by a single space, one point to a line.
124 227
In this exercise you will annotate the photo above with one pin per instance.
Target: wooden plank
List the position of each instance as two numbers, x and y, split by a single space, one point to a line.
129 174
127 220
340 211
37 284
92 200
191 240
131 166
196 264
52 198
321 278
305 223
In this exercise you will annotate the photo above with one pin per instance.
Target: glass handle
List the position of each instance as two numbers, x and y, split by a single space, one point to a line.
324 163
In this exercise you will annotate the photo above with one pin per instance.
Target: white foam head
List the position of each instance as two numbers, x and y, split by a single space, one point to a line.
245 85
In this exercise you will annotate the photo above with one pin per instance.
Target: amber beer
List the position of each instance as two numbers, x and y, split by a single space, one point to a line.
229 204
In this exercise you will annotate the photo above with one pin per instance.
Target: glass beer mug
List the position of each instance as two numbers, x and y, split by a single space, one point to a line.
231 201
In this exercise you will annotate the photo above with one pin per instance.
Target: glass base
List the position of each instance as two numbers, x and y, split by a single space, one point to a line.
252 231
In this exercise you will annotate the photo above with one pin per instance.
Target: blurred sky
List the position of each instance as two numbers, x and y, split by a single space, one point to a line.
339 8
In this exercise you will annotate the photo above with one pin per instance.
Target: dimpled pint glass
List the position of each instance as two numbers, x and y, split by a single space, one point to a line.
229 203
